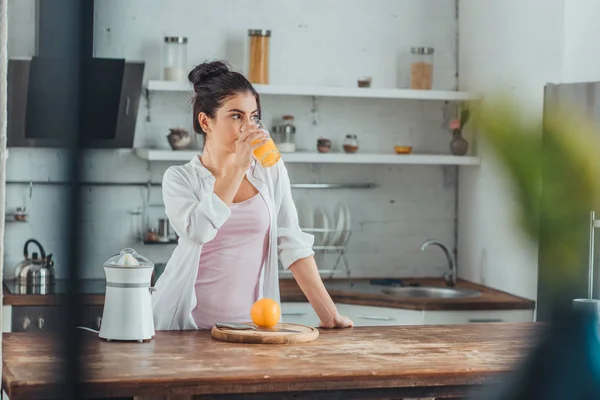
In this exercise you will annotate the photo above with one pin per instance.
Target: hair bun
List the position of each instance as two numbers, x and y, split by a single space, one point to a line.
206 71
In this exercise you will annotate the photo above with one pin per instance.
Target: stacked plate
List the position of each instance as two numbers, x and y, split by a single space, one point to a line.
328 229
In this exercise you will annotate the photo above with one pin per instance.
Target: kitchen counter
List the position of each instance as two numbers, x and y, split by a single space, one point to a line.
353 291
360 292
91 292
375 363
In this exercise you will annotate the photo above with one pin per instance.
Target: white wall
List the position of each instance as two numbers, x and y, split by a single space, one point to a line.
312 44
515 46
21 28
581 62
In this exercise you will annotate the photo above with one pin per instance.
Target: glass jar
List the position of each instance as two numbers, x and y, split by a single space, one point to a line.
421 68
258 69
21 214
175 58
323 145
350 144
288 135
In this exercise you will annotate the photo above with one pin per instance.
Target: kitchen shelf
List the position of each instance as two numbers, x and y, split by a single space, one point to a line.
326 158
153 243
12 218
331 91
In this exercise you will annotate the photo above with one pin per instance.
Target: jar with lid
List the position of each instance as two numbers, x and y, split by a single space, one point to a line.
350 144
21 214
258 69
175 58
323 145
421 68
288 135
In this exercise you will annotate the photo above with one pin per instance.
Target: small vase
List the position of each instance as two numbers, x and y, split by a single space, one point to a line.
458 145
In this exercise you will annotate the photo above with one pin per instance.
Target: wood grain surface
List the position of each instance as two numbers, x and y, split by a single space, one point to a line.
405 360
305 334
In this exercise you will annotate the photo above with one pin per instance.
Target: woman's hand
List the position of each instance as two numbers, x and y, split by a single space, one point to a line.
338 322
250 138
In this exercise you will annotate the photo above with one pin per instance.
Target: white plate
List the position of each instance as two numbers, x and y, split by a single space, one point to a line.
339 223
321 222
347 225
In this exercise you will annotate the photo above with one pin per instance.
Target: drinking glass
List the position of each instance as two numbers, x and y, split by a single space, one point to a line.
267 154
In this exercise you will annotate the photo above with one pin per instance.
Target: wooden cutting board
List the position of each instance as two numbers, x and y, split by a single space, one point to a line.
305 334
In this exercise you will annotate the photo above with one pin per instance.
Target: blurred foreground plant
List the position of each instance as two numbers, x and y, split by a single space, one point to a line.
555 170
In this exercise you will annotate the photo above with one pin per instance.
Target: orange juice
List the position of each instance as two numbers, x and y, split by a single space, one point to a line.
267 154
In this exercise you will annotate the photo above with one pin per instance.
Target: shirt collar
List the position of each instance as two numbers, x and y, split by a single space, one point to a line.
202 171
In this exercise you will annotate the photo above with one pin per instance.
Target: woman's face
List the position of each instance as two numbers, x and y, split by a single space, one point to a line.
223 130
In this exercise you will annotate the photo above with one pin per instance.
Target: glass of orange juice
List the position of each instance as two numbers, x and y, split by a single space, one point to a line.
267 154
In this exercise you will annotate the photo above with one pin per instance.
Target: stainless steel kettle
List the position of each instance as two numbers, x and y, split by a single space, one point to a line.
37 271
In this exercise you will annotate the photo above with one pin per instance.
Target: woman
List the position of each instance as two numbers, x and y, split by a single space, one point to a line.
233 218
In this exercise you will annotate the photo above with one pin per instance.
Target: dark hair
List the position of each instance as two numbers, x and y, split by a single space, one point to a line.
214 82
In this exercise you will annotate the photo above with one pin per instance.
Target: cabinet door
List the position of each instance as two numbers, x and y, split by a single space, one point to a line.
299 313
380 316
6 318
473 317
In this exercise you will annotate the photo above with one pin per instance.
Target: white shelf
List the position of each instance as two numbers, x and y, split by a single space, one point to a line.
372 93
164 155
326 158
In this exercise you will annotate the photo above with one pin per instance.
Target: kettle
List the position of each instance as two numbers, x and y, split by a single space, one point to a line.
37 271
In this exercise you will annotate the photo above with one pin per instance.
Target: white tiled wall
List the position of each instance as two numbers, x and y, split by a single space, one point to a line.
311 44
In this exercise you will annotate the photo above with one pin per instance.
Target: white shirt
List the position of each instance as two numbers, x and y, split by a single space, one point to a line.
196 213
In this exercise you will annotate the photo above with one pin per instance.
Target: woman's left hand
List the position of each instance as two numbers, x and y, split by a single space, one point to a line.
338 322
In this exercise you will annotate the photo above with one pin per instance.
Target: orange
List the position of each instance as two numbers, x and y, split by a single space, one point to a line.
265 313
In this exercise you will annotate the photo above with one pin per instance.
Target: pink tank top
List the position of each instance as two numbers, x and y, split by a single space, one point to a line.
230 265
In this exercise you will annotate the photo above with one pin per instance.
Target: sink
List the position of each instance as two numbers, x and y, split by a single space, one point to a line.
431 292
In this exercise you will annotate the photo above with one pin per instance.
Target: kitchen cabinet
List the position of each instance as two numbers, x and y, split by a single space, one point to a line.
380 316
303 313
6 318
299 313
477 316
45 318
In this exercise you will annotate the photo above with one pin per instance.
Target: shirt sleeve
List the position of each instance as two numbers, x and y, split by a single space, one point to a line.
292 243
195 217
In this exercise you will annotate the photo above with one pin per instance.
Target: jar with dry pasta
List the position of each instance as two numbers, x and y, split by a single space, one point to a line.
421 68
258 70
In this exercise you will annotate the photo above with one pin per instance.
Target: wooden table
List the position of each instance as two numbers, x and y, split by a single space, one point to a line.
374 362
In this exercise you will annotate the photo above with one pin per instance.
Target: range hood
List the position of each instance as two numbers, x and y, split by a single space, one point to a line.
41 109
45 105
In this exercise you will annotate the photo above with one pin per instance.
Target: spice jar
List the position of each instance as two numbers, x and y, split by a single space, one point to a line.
421 68
20 215
175 58
323 145
258 70
151 236
350 144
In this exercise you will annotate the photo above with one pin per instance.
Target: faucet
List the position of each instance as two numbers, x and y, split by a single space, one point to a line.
450 276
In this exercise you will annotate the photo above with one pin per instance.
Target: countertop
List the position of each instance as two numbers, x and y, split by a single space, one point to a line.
404 361
360 292
352 291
